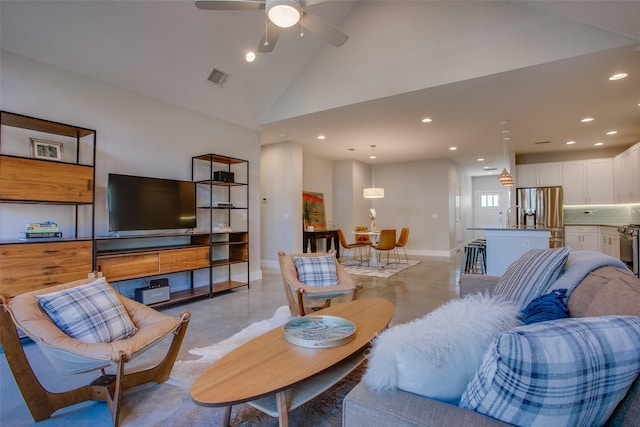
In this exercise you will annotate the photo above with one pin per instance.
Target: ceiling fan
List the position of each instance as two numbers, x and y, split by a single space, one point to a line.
281 14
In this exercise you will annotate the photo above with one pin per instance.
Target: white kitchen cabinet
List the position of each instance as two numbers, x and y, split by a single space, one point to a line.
635 173
627 182
539 174
610 241
581 237
617 179
588 181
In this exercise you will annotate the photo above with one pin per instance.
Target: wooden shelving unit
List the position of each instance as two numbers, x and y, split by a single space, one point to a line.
69 185
133 257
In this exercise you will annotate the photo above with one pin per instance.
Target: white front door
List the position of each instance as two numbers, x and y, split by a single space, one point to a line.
490 210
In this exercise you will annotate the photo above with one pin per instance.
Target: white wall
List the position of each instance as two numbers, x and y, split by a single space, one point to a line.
136 134
417 195
281 186
350 177
343 196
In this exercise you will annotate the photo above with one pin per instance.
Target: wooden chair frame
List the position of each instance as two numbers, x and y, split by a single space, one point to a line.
296 291
108 387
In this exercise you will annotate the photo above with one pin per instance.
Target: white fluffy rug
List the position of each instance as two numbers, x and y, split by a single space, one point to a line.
186 371
388 271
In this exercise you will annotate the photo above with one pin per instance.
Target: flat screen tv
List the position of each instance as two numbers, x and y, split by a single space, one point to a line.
143 203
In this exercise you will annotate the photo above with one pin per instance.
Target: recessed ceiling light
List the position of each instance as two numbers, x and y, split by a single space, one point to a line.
570 142
250 56
481 159
453 148
321 137
618 76
612 132
597 144
427 120
587 119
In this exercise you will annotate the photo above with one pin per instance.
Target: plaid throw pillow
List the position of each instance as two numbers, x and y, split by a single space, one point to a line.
565 372
318 271
90 313
531 275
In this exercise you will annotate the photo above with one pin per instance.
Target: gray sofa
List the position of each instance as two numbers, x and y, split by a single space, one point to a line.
605 291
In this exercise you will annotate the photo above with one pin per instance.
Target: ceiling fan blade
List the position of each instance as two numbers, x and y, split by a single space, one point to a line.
271 35
230 4
324 30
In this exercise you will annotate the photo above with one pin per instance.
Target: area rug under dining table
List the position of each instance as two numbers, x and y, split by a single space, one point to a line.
373 271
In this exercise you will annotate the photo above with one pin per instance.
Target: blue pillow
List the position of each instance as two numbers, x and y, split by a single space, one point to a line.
565 372
91 313
317 271
549 306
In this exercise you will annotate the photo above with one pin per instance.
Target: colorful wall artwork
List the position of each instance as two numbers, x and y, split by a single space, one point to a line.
313 210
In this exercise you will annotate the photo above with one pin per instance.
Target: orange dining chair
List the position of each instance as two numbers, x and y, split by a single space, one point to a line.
362 238
386 243
401 243
360 249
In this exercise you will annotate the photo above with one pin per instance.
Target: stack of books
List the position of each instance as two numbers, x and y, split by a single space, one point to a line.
42 230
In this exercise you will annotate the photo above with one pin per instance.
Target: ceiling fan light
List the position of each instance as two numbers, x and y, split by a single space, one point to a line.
373 193
283 13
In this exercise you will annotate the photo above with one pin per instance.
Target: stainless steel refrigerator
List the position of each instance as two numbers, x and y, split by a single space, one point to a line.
541 207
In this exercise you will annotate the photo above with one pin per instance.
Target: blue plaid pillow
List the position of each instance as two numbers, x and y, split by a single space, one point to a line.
90 313
565 372
531 275
317 271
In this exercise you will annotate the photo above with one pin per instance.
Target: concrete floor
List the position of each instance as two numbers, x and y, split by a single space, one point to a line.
415 292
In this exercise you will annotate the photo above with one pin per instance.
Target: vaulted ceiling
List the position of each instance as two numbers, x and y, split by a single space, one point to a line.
541 65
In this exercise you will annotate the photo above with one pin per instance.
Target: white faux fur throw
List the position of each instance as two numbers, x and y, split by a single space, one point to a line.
217 350
436 355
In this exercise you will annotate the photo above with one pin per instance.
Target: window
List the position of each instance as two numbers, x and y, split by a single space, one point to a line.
490 200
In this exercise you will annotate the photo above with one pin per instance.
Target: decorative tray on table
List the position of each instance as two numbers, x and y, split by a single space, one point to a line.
319 331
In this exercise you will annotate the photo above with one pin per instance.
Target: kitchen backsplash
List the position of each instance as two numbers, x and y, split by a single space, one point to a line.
602 214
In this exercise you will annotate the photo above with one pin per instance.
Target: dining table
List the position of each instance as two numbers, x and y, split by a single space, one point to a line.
373 261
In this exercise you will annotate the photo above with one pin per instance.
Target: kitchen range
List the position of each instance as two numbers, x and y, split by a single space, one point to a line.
629 247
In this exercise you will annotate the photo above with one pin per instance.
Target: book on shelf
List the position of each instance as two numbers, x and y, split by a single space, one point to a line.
42 230
41 225
41 235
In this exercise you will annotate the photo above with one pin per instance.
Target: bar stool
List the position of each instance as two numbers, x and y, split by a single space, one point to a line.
474 257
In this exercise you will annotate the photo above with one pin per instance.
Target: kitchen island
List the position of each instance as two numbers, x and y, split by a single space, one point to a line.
505 245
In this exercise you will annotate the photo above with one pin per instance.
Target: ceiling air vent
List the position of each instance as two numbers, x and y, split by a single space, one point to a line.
218 77
542 142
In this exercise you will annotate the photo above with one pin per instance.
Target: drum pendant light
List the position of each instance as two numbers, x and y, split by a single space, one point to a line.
373 192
